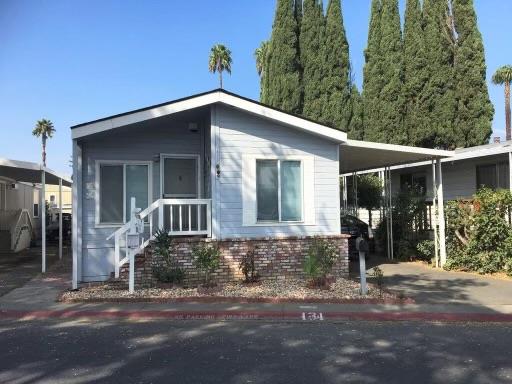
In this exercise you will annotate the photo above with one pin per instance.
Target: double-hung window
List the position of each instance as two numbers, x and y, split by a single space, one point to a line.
279 190
117 184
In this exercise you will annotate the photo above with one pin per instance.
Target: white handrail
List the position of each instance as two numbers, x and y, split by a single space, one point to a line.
159 204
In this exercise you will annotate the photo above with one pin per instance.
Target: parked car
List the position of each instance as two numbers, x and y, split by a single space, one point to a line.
52 229
354 227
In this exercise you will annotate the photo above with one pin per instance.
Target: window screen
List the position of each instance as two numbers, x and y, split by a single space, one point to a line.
291 191
267 190
111 193
486 176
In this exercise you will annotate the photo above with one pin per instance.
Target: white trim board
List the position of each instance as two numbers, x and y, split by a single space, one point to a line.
213 97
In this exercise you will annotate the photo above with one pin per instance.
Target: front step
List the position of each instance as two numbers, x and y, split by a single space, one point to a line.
5 241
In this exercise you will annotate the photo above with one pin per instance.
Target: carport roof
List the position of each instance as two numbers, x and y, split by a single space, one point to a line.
25 171
356 155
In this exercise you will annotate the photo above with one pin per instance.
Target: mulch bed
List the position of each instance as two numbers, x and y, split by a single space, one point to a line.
342 291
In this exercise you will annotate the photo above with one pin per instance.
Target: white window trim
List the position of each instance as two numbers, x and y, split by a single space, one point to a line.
279 220
124 163
308 218
164 156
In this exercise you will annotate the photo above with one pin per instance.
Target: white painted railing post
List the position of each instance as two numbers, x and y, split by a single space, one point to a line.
160 215
209 218
117 254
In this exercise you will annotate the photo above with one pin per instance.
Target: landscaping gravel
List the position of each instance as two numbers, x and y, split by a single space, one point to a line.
292 289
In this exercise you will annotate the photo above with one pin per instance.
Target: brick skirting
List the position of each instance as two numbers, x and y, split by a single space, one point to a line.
275 258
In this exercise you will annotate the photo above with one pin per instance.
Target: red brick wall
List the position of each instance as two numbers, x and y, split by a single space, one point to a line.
275 258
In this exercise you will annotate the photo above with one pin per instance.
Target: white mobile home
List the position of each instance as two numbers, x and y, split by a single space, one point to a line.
215 165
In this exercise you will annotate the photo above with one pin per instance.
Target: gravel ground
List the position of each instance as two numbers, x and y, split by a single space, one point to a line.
293 289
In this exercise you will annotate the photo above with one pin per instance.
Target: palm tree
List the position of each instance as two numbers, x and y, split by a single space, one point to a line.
44 129
260 54
220 60
503 76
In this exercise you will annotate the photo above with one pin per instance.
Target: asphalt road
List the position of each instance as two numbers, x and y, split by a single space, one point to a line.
57 351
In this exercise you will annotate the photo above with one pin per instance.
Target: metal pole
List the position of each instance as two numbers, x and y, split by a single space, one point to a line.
434 215
43 221
391 214
442 224
60 219
355 195
362 272
386 204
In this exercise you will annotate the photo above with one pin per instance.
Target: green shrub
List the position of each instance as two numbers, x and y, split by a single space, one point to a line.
479 237
248 267
207 260
378 275
168 271
322 255
426 250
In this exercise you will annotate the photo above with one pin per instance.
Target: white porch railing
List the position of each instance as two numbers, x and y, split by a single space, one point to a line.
185 217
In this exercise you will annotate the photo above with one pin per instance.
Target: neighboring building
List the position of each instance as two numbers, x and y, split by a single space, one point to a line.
21 202
52 197
219 166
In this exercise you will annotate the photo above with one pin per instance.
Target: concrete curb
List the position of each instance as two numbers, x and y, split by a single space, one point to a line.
254 315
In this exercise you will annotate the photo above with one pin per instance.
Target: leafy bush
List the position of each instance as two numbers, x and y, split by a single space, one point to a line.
248 267
426 250
319 261
409 223
378 275
479 237
168 271
207 260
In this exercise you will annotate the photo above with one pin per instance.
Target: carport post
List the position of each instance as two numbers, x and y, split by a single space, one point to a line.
433 216
440 204
60 219
391 214
43 220
510 171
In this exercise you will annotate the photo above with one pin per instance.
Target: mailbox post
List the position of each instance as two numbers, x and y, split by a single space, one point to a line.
133 242
363 248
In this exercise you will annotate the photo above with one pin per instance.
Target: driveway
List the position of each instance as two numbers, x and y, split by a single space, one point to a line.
434 286
16 269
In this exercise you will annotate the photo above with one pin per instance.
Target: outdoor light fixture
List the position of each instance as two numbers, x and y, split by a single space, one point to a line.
217 167
193 127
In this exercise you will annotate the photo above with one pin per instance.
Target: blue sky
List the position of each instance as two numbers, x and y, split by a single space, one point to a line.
75 61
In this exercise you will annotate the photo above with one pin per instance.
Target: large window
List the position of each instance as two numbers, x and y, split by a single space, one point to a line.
494 176
279 191
118 183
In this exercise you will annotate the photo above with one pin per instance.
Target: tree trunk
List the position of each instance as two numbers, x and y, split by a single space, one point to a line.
220 77
507 111
44 151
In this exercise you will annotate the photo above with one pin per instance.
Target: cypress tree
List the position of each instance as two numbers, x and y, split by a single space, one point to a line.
336 69
415 73
438 96
372 75
474 112
283 76
311 35
390 127
355 125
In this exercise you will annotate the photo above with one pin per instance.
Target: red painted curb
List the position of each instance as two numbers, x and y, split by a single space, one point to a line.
254 315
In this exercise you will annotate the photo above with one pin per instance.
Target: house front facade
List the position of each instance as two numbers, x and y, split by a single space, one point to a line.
215 167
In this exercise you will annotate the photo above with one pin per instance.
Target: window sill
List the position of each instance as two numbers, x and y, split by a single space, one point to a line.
278 224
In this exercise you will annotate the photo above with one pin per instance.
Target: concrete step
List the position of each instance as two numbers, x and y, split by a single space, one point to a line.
5 241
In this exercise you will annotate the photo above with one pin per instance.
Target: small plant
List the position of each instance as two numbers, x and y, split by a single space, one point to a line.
206 259
319 261
378 275
168 271
248 267
426 250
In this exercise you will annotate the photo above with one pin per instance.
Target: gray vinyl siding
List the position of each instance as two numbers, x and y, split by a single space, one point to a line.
242 133
459 177
129 143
